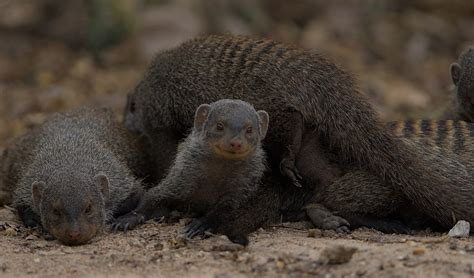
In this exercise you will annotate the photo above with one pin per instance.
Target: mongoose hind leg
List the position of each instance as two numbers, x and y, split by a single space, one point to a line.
288 162
322 218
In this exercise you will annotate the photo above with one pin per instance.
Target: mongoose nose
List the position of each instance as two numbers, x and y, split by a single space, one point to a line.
235 145
74 235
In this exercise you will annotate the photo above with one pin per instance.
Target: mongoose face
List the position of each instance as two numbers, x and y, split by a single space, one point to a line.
462 74
232 129
131 118
72 214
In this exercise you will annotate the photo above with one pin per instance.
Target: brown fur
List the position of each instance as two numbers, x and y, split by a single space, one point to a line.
217 168
462 75
284 80
448 145
73 174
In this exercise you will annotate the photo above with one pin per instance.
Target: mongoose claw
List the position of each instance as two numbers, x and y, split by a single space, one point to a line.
197 227
128 221
288 169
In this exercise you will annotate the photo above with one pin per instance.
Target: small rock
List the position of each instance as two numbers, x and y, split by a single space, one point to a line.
32 237
315 233
411 243
453 245
411 263
469 248
469 269
402 258
158 246
10 232
178 242
419 251
337 254
280 264
229 247
461 229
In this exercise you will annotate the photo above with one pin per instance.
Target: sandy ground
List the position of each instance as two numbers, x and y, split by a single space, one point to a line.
40 76
157 249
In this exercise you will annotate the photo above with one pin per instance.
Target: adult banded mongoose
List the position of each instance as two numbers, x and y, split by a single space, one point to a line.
368 202
462 74
363 199
216 169
304 92
71 175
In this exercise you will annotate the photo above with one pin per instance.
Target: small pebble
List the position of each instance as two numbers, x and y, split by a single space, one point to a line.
315 233
337 254
453 245
461 229
419 251
10 232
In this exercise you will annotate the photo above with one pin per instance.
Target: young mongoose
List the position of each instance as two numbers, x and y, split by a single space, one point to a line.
216 169
71 174
304 92
462 74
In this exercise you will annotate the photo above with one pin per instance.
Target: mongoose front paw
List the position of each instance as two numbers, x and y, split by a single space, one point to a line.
239 239
198 226
288 169
128 221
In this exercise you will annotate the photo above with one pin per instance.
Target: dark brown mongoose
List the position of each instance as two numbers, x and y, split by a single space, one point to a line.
216 169
355 194
72 176
462 74
304 92
347 197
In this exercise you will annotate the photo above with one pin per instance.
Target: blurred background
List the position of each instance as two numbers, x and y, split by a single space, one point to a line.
55 55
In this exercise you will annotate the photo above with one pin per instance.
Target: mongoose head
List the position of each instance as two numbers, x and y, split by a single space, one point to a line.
73 211
132 114
233 129
462 74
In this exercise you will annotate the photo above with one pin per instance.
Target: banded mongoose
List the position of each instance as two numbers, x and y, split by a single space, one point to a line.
304 92
346 197
217 168
462 74
71 175
359 196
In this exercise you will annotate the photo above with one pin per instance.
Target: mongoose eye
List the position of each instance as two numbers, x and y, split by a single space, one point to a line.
249 130
88 209
56 212
132 107
220 127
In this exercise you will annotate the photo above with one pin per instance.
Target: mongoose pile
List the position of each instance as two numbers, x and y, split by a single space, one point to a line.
462 74
217 168
305 94
72 174
78 171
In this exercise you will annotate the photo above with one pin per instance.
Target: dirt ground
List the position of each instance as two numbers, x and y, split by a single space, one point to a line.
157 249
39 76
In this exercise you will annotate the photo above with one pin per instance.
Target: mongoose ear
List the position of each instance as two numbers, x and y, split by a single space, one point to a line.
263 120
37 189
455 69
202 112
102 181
